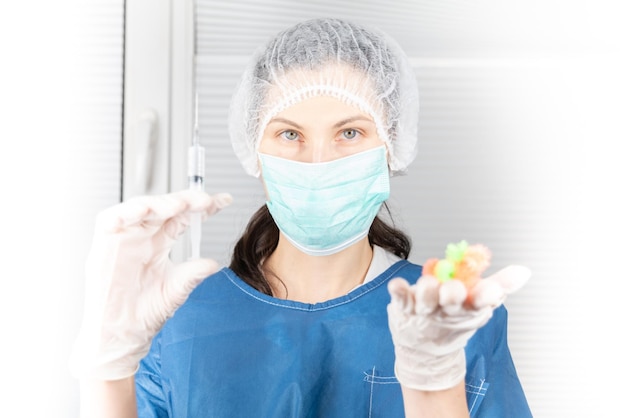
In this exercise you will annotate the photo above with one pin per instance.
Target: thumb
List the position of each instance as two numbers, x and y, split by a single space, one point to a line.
492 290
186 276
401 295
511 278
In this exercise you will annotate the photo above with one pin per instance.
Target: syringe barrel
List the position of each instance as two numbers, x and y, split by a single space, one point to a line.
195 167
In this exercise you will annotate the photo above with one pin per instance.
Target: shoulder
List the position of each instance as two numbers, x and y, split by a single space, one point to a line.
406 270
224 292
215 294
221 281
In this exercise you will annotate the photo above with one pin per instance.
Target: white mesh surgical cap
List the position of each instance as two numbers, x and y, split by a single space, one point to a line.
361 66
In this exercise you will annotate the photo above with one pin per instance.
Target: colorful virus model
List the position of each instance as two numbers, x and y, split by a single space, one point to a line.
463 262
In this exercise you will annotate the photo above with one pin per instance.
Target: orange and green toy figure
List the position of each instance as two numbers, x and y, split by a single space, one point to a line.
463 262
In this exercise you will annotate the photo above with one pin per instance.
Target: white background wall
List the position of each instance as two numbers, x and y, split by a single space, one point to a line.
523 105
61 95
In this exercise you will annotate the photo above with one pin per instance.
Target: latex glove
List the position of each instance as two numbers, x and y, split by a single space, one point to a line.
431 322
132 287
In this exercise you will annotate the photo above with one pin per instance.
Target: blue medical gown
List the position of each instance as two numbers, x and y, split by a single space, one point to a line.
231 351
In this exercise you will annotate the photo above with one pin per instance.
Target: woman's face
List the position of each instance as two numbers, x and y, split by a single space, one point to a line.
319 129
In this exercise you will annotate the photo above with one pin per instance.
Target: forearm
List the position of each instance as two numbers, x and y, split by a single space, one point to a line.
449 403
108 398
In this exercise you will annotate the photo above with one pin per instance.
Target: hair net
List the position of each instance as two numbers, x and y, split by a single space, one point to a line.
360 66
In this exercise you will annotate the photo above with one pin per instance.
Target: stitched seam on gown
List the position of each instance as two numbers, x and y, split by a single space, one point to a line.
371 393
380 380
312 308
476 390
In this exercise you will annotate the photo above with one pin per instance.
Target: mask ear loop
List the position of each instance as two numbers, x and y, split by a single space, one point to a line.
260 177
387 156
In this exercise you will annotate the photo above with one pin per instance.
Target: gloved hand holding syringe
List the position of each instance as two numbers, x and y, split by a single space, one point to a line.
195 174
132 285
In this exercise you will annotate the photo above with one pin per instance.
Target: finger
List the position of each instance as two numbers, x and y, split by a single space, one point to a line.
427 294
167 206
174 227
116 217
195 201
164 207
511 278
199 201
186 277
219 202
140 210
466 320
487 293
401 296
452 294
155 210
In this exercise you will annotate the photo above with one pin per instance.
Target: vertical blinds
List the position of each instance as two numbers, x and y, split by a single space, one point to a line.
503 124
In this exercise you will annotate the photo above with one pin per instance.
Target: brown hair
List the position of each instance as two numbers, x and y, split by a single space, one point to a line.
260 239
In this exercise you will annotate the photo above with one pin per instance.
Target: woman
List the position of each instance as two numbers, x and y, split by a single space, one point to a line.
319 314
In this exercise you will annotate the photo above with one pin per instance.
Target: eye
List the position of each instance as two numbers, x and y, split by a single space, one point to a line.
290 135
350 133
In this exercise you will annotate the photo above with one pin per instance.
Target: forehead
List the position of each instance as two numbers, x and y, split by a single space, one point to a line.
338 80
321 110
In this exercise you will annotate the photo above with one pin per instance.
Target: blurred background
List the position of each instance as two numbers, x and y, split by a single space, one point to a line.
521 147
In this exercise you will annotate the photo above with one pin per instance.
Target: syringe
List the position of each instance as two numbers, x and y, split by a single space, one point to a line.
195 174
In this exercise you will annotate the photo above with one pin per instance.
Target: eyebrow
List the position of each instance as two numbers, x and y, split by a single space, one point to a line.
336 125
352 119
286 121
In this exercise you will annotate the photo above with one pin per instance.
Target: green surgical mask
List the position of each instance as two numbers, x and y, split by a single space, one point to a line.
323 208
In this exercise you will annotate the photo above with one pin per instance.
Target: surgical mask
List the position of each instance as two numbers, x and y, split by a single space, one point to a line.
323 208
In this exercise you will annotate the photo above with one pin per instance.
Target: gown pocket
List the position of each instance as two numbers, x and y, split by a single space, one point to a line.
385 395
